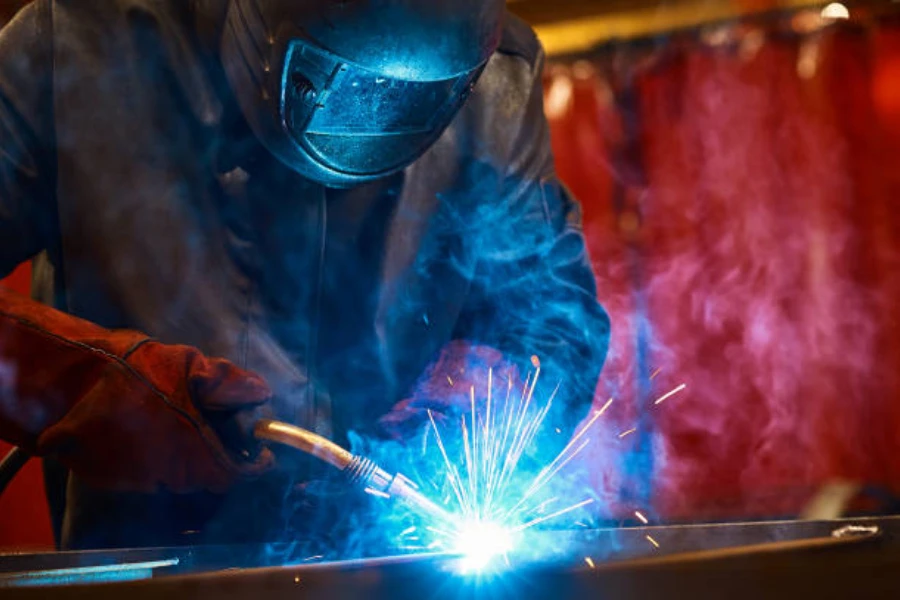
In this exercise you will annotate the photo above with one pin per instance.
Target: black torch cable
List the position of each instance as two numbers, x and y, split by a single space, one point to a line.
10 466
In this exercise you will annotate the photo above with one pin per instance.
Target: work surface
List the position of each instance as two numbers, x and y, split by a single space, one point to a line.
857 558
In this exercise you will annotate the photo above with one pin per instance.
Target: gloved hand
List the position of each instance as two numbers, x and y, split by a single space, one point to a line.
446 390
121 410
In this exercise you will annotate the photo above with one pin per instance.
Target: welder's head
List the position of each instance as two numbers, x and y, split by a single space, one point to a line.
347 91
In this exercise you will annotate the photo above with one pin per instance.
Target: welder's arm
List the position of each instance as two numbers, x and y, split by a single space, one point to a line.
122 411
534 292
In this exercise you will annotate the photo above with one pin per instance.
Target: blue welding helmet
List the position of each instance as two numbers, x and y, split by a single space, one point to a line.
347 91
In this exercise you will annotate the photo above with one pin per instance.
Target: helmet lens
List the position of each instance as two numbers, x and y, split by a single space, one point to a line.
359 122
364 104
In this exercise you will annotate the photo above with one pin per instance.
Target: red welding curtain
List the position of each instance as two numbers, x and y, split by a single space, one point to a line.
746 190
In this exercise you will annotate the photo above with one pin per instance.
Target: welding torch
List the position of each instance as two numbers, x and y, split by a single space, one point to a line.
359 471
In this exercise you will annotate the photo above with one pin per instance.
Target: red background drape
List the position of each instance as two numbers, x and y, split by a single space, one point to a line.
741 200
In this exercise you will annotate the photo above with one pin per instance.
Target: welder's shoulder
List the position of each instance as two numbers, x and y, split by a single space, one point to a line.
94 16
26 69
519 40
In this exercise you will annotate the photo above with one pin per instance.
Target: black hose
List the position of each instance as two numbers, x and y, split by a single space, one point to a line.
10 466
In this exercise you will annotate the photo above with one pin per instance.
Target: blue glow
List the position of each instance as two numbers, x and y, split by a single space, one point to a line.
81 575
488 469
481 544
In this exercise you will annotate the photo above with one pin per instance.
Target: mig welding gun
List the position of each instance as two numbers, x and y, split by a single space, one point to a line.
360 472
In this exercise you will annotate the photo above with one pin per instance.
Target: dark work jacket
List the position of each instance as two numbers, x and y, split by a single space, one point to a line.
129 175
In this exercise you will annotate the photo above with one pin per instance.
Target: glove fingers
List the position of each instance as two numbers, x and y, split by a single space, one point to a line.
217 384
235 429
232 401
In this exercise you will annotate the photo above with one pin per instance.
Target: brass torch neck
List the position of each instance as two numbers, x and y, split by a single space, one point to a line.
303 440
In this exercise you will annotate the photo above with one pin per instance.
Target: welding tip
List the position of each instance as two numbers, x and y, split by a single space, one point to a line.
366 474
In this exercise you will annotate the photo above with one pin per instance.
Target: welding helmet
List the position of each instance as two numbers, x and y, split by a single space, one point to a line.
347 91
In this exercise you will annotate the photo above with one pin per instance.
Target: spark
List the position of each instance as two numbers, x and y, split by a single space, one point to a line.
605 406
450 381
315 557
589 562
558 513
437 531
627 433
680 388
543 505
378 493
407 481
651 540
490 498
641 517
655 373
408 530
565 455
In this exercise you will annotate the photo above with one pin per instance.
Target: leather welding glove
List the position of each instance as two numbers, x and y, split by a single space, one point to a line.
122 411
445 389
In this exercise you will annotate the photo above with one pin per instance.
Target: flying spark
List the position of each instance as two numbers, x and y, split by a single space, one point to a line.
589 562
625 434
651 540
492 499
641 517
680 388
378 493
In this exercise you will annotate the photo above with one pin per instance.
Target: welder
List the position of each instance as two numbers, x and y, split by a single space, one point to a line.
299 209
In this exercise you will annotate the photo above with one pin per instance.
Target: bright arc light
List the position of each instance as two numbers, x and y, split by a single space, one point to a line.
479 543
835 10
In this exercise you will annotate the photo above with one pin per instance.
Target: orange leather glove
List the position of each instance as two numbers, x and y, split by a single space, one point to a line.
121 410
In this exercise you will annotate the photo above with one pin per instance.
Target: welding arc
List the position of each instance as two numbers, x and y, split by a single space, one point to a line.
305 441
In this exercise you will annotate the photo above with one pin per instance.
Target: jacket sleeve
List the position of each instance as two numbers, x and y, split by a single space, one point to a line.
534 292
27 164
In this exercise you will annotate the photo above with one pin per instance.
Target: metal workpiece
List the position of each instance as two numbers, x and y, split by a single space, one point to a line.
788 559
773 560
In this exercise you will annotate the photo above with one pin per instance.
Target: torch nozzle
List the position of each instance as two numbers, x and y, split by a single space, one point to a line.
360 471
365 473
